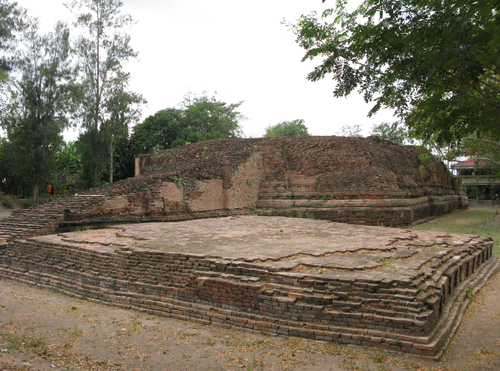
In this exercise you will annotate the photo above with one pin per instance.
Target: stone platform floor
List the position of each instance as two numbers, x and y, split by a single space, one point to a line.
315 247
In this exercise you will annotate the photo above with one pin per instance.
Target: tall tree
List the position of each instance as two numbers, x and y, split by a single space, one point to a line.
37 118
435 62
12 181
287 129
102 52
12 22
123 109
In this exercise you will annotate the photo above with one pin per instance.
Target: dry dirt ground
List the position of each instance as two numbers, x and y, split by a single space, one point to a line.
42 330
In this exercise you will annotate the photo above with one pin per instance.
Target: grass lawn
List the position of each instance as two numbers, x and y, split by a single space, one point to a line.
477 221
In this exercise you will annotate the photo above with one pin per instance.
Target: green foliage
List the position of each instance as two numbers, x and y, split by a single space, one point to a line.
124 109
394 133
426 157
165 129
68 165
350 131
92 146
469 291
12 22
10 180
287 129
208 118
6 202
179 182
436 63
198 119
14 202
486 151
38 115
104 106
5 92
123 158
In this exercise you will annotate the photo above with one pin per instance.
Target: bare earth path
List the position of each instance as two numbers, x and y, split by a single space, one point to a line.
41 330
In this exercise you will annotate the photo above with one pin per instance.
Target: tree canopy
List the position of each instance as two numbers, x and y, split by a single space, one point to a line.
56 82
12 22
435 62
287 129
37 118
211 118
198 119
394 133
104 105
163 130
486 152
353 130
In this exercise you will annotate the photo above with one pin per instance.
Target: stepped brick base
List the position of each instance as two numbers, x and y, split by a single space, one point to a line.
388 288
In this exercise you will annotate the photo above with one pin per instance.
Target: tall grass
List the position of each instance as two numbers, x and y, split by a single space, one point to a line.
477 221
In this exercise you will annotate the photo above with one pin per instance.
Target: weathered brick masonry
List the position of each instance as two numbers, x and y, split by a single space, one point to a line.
351 180
405 290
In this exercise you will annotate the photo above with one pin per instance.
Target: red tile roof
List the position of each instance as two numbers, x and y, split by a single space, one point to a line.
468 163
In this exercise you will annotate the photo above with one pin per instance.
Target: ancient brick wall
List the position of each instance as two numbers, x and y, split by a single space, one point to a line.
351 180
414 315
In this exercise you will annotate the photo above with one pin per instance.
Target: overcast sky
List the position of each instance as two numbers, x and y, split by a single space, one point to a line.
238 50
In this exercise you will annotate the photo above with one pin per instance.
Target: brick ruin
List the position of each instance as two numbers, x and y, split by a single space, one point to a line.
351 180
390 288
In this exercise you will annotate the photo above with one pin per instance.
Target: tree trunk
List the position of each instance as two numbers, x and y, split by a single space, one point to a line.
34 197
111 161
95 175
98 71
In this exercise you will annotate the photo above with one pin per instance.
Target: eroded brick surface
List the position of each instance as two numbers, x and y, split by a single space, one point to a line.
349 180
390 288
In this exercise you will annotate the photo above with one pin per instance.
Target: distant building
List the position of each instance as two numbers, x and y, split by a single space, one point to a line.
480 181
